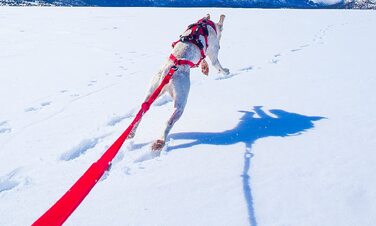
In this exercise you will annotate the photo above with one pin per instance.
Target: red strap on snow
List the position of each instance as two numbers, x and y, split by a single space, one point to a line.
65 206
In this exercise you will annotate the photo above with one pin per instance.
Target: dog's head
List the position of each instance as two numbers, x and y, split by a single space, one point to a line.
219 25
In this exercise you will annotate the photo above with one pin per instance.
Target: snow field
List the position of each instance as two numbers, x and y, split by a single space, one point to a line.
286 139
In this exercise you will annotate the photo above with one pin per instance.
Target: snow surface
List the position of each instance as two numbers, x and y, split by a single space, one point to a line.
287 139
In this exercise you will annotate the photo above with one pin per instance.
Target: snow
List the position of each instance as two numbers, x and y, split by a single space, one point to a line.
287 139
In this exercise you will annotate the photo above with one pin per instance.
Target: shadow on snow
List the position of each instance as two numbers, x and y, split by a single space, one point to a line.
247 131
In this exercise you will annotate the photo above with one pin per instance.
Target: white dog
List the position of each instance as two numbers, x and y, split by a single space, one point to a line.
199 40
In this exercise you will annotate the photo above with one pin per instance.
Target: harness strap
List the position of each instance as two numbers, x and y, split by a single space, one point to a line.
184 62
197 29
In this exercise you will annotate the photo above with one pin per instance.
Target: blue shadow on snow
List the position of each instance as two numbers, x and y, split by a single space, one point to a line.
247 131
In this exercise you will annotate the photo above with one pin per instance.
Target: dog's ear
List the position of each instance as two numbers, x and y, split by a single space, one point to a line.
208 16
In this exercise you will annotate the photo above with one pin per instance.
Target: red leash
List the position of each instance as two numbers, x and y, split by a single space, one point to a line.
65 206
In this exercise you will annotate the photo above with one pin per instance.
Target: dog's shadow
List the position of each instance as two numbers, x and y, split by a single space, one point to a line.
247 131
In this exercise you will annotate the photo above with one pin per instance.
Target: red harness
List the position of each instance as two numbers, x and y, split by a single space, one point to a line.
197 29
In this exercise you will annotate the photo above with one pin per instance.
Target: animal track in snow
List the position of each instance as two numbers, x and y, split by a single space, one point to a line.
275 58
134 147
128 146
117 119
11 180
232 74
164 99
45 103
123 68
7 184
247 68
321 34
81 148
4 127
41 106
92 82
133 155
274 61
295 50
146 154
223 77
29 109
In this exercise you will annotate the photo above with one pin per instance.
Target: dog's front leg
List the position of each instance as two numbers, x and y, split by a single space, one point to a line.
213 56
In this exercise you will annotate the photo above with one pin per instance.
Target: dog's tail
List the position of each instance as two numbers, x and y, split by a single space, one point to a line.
221 19
220 22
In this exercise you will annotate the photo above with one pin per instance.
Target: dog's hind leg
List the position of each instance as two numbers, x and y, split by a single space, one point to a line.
178 112
153 85
180 90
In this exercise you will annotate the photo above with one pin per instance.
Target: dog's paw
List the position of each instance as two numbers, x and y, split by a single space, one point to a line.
204 67
158 145
131 135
